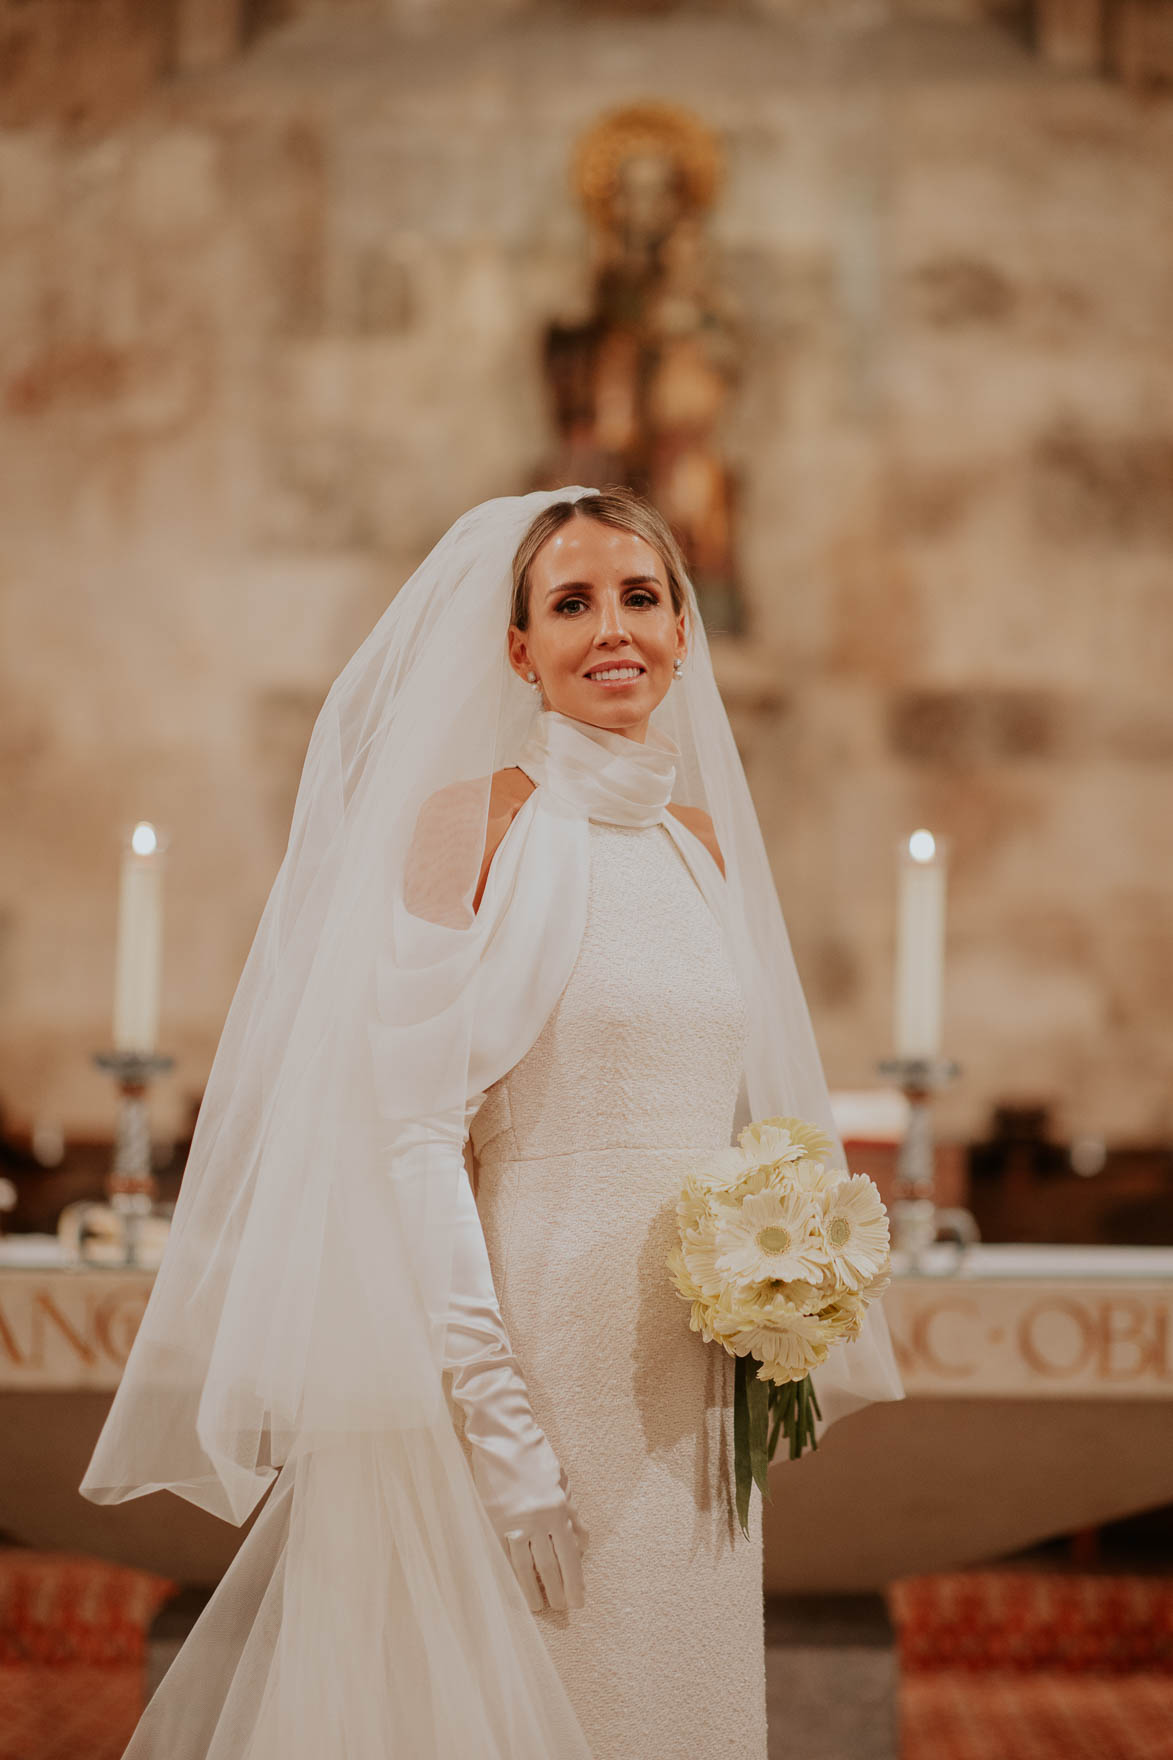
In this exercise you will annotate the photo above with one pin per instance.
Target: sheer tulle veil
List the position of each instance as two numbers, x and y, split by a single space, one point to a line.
295 1329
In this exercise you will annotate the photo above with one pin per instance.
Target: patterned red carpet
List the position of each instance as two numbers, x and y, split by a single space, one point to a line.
1024 1665
72 1650
958 1715
995 1665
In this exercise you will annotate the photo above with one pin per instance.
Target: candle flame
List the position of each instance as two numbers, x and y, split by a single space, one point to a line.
922 846
143 839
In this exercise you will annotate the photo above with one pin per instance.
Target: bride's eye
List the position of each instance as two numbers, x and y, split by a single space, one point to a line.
641 593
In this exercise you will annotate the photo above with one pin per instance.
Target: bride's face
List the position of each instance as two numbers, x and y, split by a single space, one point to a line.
598 596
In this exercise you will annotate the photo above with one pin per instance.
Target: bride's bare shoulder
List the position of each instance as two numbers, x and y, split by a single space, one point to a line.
440 852
510 790
701 825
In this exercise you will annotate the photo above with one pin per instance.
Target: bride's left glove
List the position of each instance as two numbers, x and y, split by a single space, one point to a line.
516 1472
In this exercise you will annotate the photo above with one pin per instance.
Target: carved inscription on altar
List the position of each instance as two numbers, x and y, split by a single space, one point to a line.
971 1339
61 1329
1001 1338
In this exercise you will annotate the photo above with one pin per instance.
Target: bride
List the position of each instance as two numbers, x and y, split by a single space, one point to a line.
523 963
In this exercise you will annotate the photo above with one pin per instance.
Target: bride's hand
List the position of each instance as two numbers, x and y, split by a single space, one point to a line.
545 1543
521 1482
546 1552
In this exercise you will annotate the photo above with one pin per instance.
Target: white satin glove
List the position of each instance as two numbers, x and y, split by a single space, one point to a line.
516 1472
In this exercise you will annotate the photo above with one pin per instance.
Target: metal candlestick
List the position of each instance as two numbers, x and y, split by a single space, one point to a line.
131 1188
917 1220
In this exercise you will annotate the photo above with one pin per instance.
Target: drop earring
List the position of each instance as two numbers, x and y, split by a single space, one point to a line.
677 666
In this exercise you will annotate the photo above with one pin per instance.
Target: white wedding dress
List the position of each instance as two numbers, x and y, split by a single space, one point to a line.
355 1617
580 1151
613 1009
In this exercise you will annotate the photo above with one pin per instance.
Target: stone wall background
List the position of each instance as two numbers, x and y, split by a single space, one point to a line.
270 306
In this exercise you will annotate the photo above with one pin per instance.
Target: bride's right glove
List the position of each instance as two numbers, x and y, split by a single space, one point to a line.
516 1472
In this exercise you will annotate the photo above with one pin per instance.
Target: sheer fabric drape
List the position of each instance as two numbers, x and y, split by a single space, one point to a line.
296 1325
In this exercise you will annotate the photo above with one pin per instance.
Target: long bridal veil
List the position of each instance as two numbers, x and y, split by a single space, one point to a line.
294 1337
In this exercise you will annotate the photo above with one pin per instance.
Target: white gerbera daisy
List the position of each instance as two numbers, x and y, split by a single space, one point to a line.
782 1139
787 1344
877 1285
854 1231
769 1235
816 1176
699 1251
806 1297
722 1169
844 1318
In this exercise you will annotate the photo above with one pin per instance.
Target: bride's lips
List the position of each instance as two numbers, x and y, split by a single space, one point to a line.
607 679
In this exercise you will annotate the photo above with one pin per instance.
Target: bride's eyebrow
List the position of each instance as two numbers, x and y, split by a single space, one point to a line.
631 580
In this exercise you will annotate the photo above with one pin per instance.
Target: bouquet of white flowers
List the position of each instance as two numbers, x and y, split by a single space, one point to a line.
779 1255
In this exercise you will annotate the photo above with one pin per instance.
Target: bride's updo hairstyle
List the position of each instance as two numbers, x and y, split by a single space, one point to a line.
613 506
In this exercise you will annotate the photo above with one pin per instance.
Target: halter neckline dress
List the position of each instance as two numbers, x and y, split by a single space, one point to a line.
579 1152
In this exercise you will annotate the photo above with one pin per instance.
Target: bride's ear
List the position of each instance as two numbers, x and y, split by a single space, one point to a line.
518 653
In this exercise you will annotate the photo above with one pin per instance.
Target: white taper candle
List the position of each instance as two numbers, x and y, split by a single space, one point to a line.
920 951
140 935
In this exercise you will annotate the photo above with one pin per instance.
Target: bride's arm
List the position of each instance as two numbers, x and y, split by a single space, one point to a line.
511 789
520 1480
440 856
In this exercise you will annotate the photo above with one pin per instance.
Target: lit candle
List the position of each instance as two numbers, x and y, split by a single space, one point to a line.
140 926
920 951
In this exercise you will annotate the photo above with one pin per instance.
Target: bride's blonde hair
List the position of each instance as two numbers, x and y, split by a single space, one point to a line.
613 506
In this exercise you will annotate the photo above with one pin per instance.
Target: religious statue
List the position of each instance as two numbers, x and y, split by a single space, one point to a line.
640 387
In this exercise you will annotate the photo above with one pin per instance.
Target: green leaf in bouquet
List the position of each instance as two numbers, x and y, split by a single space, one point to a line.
806 1405
798 1436
813 1410
742 1472
758 1400
776 1419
